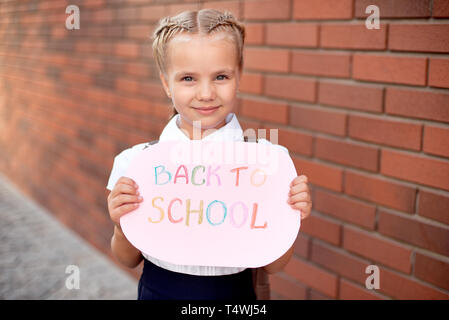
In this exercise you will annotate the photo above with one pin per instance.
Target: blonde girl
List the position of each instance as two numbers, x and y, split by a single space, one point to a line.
200 59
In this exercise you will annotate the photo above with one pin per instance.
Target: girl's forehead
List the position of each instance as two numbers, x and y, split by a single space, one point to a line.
189 51
208 38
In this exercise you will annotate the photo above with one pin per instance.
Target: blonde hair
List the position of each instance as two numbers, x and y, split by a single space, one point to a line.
203 22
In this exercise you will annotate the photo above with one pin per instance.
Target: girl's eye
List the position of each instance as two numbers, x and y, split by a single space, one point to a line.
186 78
222 75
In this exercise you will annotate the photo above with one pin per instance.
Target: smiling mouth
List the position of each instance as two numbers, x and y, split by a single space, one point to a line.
207 108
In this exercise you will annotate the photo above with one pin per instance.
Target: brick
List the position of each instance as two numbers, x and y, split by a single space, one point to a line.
126 49
318 120
347 153
301 245
174 9
440 9
392 69
231 5
322 228
93 65
352 36
388 132
267 9
312 276
417 104
76 77
345 209
149 88
436 141
322 9
421 234
136 105
141 32
380 250
254 33
357 97
292 34
289 87
127 85
439 73
294 140
382 191
434 206
251 83
395 9
93 4
137 69
126 13
102 16
321 64
287 286
350 291
339 261
275 60
432 270
152 12
405 288
316 295
276 296
319 174
52 5
419 37
265 111
418 169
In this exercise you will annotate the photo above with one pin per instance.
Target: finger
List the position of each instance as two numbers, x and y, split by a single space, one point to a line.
304 213
126 188
127 180
124 209
123 181
125 198
302 196
299 179
302 187
302 205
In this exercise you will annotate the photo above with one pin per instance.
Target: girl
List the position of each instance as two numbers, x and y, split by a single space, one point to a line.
200 59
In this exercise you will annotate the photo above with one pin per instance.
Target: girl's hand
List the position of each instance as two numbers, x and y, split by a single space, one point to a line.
299 196
123 199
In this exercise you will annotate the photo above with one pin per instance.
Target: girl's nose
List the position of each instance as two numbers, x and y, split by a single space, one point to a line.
206 91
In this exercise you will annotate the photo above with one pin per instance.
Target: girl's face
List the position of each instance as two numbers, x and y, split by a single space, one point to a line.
202 71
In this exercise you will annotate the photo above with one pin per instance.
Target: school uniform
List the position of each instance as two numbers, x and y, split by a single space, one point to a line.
164 280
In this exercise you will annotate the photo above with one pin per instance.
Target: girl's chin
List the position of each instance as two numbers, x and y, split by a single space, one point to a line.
207 122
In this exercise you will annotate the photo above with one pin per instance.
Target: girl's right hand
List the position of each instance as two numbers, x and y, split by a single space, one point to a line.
123 198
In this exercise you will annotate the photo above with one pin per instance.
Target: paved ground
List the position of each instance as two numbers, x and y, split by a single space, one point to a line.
35 250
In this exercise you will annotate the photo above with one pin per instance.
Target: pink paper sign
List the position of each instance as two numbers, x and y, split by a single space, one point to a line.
213 203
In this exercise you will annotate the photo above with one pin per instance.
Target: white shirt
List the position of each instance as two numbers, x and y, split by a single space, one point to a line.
230 131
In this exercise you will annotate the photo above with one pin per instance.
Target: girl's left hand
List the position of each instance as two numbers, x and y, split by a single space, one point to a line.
299 196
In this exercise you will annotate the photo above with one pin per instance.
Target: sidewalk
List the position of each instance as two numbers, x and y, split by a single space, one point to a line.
35 250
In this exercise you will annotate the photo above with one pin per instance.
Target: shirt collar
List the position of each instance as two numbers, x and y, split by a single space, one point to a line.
231 131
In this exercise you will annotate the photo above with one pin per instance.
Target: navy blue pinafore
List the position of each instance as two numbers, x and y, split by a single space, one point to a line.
157 283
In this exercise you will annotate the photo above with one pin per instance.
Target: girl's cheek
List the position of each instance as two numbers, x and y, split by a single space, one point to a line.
183 94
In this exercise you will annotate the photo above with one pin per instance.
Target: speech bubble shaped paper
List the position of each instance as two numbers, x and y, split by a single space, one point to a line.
213 203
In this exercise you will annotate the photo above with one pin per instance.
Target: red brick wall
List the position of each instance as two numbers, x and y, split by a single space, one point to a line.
365 114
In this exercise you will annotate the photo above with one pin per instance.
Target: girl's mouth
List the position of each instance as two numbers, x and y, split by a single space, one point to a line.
207 110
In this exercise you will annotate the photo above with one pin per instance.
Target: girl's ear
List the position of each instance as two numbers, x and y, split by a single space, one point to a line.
165 84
